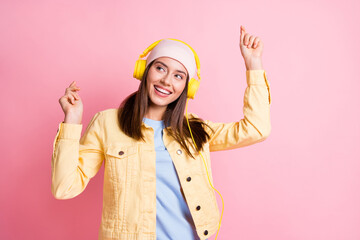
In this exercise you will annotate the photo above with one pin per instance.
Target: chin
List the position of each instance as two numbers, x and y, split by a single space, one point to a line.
156 101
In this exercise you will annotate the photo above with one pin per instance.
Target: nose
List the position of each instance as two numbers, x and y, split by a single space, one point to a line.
167 79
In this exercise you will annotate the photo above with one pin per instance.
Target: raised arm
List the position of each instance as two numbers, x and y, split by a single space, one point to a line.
255 126
75 160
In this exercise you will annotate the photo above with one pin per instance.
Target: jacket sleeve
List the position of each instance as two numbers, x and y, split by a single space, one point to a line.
75 160
255 126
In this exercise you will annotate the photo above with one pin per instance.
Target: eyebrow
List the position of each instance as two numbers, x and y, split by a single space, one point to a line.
157 61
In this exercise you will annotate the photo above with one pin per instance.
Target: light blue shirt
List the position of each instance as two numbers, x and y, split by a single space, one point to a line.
173 218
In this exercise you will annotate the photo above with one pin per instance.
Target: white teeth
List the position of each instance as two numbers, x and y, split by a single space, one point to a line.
163 91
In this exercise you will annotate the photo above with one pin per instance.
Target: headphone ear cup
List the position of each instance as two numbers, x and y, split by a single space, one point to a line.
140 66
193 88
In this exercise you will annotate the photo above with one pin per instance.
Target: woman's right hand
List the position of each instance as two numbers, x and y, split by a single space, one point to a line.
72 105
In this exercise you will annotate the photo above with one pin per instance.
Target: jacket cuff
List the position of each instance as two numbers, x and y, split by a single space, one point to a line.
256 77
69 131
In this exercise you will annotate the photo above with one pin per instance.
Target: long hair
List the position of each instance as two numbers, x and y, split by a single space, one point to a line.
134 107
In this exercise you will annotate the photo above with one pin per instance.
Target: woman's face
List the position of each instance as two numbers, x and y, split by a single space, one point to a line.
166 81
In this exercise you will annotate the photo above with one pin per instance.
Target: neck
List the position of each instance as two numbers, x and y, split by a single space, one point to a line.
155 112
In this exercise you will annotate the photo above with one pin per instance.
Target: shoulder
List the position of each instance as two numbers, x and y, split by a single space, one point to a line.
199 118
108 112
192 115
105 115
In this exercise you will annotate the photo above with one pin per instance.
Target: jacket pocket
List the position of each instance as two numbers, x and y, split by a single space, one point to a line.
120 160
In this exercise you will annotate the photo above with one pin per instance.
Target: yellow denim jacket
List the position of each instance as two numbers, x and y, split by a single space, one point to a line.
129 191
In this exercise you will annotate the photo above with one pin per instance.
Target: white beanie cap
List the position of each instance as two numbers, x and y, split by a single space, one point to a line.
176 50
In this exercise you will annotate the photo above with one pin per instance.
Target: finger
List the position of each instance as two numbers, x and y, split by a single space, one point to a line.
75 88
251 41
74 85
243 28
75 96
70 101
256 42
71 89
71 98
242 34
246 39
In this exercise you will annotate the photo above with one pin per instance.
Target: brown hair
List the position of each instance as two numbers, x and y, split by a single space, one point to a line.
133 109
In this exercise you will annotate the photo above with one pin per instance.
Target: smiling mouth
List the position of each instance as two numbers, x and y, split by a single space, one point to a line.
162 91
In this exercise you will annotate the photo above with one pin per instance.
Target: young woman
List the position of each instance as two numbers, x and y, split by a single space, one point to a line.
157 185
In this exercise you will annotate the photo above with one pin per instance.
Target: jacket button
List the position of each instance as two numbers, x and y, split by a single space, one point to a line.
206 232
198 208
121 152
188 179
179 152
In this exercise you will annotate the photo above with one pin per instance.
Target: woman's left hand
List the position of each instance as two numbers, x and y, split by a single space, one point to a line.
251 48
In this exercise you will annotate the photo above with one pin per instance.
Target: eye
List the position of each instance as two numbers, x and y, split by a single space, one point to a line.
158 67
179 76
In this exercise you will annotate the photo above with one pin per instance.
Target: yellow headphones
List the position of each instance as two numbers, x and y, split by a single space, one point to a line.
140 66
193 86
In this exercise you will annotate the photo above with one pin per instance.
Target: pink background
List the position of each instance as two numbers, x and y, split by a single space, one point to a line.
302 183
